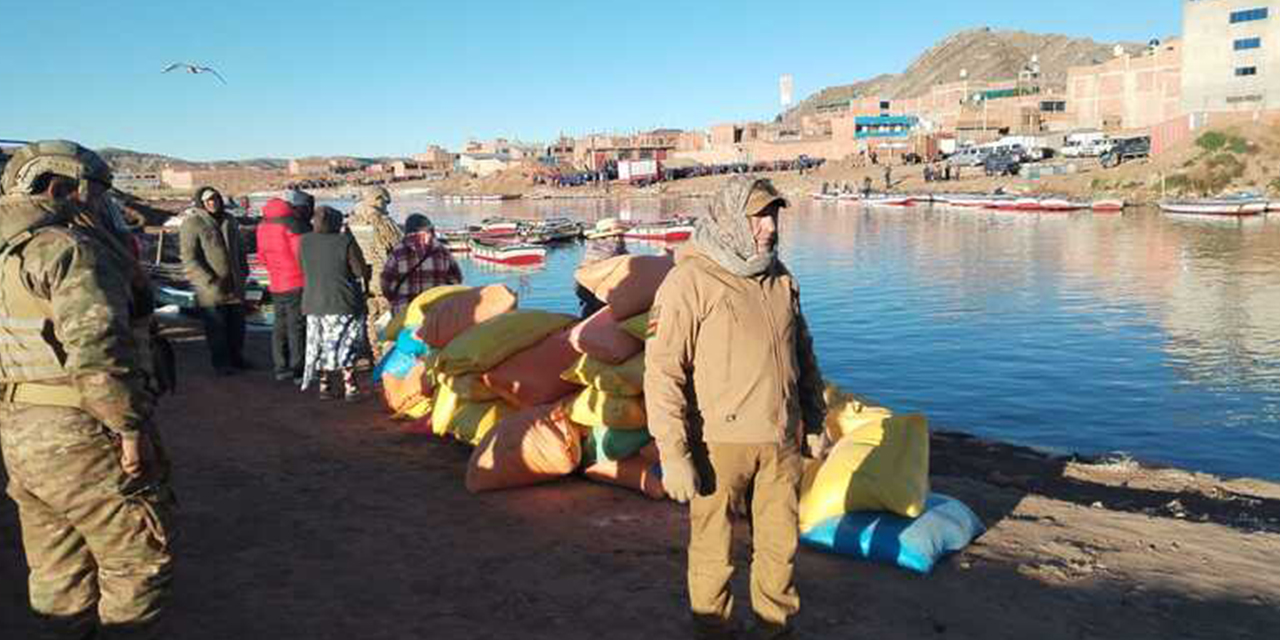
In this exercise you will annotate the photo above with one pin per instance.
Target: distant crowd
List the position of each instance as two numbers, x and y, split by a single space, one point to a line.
332 280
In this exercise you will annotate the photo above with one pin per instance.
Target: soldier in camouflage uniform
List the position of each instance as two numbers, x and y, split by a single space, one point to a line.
377 235
85 466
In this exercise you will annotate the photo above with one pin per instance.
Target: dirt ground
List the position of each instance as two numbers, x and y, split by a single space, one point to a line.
303 519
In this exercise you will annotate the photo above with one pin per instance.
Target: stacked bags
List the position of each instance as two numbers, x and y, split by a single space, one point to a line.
609 410
869 498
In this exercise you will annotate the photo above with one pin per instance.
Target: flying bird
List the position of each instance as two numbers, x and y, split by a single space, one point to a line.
193 68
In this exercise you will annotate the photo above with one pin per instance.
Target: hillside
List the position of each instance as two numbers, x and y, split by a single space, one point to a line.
986 55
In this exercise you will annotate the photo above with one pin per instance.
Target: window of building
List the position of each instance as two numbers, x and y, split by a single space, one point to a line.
1246 71
884 105
1249 15
1239 99
1244 44
1053 106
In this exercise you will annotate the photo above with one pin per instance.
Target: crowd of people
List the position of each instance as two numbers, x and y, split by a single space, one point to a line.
332 278
81 371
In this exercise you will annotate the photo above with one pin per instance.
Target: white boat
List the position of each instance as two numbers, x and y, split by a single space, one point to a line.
512 254
1108 204
668 231
1216 207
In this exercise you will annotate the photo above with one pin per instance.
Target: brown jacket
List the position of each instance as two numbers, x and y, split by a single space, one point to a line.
729 358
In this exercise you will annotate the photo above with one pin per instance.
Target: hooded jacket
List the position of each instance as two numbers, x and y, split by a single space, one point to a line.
376 234
279 241
729 357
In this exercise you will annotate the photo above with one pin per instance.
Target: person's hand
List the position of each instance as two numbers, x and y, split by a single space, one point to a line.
679 477
815 445
135 454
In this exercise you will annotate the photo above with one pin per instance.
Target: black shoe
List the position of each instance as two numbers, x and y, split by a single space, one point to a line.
284 376
244 365
223 372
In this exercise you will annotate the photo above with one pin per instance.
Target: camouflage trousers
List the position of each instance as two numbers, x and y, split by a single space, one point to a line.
377 306
96 540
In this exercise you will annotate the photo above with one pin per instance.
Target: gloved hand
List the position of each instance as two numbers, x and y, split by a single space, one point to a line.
679 477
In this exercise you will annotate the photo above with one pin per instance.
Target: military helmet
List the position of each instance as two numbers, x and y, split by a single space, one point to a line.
57 157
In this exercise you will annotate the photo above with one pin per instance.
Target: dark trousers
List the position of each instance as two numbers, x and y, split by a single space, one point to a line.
289 334
224 331
588 302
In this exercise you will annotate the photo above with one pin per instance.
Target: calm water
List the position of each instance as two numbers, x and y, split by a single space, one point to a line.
1138 333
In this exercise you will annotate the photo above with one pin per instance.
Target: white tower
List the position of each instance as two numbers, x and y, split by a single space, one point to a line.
785 90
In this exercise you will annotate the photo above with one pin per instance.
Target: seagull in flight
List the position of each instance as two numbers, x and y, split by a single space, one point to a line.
193 68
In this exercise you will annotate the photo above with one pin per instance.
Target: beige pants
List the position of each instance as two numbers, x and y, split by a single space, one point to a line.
96 541
762 482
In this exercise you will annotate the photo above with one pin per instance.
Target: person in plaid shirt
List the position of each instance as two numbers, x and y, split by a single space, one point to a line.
418 263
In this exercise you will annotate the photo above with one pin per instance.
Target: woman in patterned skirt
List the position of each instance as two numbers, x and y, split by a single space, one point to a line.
333 300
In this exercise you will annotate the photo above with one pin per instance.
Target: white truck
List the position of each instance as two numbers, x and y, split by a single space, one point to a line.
639 171
1086 144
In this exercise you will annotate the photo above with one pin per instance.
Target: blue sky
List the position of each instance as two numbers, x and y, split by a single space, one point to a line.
389 78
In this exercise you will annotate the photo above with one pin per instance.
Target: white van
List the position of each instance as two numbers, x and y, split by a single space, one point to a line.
969 157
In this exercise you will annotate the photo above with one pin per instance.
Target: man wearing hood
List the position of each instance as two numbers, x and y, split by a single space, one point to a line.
279 238
731 387
215 263
377 235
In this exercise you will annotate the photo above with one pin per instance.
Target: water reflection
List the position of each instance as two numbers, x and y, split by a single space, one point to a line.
1089 332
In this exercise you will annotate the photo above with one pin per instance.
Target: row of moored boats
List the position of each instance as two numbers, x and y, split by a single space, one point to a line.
523 243
1245 205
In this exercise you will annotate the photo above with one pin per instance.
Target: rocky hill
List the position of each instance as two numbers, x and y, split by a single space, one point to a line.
985 55
127 159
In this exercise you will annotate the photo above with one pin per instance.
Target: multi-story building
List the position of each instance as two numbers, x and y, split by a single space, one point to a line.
1128 92
1232 60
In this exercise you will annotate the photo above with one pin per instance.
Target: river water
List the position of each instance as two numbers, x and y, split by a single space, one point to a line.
1139 333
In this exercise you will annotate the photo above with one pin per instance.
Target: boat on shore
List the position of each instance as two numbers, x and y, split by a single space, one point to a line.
1216 206
456 240
507 252
1108 204
667 231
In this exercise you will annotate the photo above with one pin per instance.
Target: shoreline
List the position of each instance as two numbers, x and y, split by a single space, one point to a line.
306 519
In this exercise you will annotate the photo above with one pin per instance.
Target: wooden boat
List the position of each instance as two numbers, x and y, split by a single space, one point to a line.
552 230
667 231
509 253
498 228
1108 204
1216 206
887 200
1060 204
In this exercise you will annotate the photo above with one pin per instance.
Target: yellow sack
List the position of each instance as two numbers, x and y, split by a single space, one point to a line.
411 316
637 326
848 412
464 420
491 342
880 467
596 408
626 379
467 386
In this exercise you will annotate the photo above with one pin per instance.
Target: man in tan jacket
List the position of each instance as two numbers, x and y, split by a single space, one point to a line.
731 387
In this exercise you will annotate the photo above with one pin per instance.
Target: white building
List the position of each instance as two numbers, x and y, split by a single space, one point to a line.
484 164
1231 55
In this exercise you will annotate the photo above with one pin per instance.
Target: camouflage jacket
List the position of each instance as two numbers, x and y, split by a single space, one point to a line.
377 236
85 300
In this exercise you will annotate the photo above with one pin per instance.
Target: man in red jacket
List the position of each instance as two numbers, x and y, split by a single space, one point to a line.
279 237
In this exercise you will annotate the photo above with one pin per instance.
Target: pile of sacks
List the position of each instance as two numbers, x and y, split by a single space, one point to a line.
541 395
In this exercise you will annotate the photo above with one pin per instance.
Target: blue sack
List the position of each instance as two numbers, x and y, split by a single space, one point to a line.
400 360
946 526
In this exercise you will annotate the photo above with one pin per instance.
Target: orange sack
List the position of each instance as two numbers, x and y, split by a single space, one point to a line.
531 377
457 313
602 338
403 397
626 283
525 448
636 472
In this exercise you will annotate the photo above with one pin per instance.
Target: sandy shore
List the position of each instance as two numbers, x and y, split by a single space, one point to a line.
314 520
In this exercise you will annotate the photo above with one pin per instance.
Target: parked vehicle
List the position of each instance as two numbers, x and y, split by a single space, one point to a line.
1002 164
1086 145
639 171
968 157
1127 149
